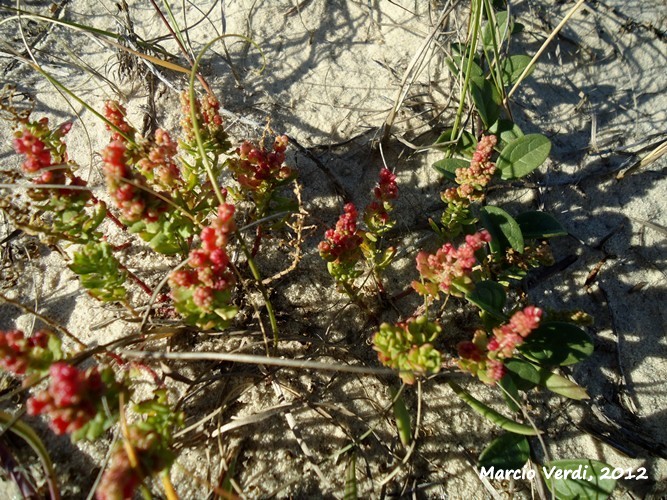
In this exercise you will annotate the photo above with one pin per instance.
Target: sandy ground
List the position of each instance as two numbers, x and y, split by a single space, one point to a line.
334 71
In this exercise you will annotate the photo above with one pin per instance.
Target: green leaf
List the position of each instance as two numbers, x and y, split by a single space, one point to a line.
447 167
508 451
557 343
523 373
492 415
506 130
586 483
536 225
522 156
513 66
501 28
489 296
561 385
504 230
486 98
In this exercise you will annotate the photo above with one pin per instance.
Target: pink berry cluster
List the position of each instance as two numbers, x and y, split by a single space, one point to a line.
450 268
157 163
483 356
376 214
258 170
72 399
23 355
473 180
202 292
129 163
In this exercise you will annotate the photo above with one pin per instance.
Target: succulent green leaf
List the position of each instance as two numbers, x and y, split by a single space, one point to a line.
536 225
557 343
587 483
492 415
522 156
508 451
510 393
561 385
350 492
402 417
504 230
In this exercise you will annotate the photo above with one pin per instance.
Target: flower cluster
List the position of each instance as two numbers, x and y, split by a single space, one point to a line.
259 171
408 347
23 355
157 163
74 400
202 292
115 113
341 247
376 215
483 356
472 182
212 131
450 268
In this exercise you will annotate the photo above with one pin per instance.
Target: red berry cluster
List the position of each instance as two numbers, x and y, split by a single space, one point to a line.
484 357
474 179
134 203
450 266
376 214
205 286
19 354
115 113
342 244
46 155
258 170
72 398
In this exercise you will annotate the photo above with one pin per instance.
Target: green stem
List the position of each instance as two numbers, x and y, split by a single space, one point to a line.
262 288
476 14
